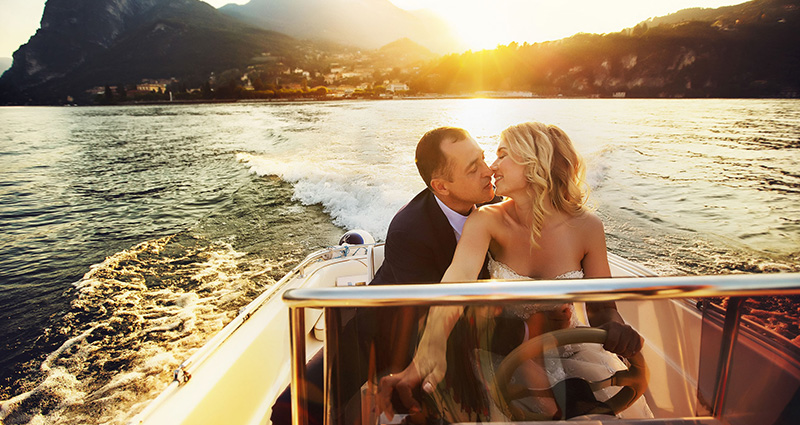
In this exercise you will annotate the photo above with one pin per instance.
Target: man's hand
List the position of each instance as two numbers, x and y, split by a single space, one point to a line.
406 384
622 339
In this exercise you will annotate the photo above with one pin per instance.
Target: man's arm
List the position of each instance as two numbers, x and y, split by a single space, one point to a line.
430 361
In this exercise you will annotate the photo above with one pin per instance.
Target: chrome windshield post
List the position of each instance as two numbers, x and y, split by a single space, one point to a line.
370 263
729 333
297 326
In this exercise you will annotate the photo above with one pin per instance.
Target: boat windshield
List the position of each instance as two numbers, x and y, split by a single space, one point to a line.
511 358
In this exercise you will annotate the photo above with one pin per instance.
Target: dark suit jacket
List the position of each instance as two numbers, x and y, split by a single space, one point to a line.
419 248
419 245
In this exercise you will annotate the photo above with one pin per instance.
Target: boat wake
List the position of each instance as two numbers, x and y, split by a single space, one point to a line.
354 199
134 318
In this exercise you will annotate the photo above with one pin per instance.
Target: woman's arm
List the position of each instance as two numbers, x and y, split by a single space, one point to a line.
430 360
595 253
622 338
466 266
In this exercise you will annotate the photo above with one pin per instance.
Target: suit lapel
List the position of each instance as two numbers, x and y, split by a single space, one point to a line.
445 237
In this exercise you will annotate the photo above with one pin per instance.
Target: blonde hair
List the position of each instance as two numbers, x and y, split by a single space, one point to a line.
552 167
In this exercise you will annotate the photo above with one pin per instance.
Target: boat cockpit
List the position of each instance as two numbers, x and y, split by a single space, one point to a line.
702 362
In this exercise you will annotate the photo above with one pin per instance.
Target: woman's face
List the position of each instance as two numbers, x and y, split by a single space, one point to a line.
509 176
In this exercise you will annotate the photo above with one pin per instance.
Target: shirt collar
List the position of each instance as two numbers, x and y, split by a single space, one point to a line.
456 219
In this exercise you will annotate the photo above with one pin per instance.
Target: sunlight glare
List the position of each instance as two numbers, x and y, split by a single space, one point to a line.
484 121
485 25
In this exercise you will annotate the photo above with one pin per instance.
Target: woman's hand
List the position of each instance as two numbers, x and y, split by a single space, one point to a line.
622 339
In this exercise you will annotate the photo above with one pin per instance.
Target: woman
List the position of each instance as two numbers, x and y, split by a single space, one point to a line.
542 231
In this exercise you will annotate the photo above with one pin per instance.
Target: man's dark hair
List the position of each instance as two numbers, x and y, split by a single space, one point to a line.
430 158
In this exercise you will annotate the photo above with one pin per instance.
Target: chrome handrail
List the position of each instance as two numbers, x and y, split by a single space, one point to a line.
500 291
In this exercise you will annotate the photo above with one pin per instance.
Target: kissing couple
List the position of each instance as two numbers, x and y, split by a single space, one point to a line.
522 217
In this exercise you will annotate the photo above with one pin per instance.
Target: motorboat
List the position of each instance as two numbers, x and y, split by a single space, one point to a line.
703 362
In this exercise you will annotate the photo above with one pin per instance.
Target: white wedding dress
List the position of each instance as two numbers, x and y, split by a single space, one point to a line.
587 361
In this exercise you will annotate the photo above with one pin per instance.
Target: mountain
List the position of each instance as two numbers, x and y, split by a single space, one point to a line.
71 32
5 63
85 43
748 50
368 24
746 13
402 52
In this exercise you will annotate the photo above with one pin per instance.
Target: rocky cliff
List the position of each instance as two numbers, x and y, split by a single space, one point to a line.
748 50
85 43
71 32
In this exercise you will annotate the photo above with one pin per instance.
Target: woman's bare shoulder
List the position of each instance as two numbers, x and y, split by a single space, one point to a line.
486 215
588 223
495 210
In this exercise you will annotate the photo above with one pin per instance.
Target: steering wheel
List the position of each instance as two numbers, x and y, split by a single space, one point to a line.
634 380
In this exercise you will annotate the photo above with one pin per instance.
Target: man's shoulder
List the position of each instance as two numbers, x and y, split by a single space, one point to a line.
419 243
415 211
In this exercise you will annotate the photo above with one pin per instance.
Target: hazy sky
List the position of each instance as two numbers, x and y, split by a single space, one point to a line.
482 24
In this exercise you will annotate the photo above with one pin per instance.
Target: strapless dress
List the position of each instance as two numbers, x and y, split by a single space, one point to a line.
499 270
587 361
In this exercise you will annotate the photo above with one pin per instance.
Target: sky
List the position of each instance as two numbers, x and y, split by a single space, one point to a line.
481 24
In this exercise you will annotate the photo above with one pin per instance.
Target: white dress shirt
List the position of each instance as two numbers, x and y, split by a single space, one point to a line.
456 219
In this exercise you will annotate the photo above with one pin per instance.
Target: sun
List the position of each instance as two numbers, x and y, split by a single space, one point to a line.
485 25
478 24
482 24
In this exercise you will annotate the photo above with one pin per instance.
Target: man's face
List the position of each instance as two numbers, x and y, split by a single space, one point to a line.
470 179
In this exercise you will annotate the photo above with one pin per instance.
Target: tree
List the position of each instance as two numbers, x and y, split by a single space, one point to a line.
121 92
108 95
320 91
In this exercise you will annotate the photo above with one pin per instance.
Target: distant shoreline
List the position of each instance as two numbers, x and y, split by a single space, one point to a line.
423 97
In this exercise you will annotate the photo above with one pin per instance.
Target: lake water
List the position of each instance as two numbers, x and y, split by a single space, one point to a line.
129 235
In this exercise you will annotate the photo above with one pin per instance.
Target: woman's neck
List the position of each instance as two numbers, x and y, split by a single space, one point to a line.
523 209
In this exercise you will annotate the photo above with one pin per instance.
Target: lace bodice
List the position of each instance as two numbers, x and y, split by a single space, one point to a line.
499 270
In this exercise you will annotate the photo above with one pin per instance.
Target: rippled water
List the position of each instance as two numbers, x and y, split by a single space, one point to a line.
129 235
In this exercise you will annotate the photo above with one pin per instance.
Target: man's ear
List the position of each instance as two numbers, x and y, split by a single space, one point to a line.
439 187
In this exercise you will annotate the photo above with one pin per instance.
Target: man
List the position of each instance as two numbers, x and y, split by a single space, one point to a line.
419 247
422 236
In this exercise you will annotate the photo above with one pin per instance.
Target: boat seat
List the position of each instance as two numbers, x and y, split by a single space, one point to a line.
319 328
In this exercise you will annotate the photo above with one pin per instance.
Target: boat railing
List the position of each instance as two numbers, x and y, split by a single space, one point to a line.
182 373
736 287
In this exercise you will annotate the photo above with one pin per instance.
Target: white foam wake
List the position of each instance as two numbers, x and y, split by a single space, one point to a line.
356 195
134 318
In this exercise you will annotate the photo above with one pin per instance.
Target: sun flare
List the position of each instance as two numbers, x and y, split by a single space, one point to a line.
485 25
